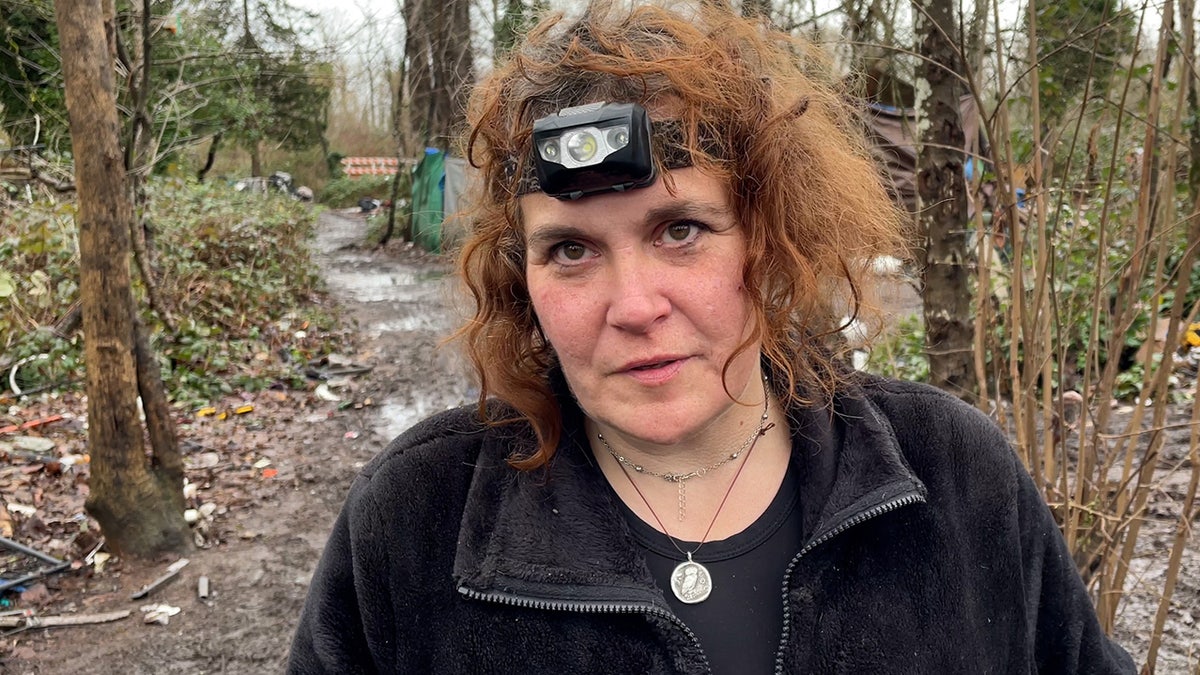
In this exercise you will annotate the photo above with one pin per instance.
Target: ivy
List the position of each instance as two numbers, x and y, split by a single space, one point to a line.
235 269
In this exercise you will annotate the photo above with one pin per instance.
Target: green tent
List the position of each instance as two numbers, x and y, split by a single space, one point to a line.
428 185
438 184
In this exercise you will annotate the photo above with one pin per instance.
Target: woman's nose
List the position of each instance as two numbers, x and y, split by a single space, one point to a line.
637 300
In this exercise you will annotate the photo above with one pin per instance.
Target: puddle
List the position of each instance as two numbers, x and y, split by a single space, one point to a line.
408 324
406 299
372 286
396 418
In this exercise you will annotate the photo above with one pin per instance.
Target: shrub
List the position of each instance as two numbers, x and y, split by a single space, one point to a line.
234 270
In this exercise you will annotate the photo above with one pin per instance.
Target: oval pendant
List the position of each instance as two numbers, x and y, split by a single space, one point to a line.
691 582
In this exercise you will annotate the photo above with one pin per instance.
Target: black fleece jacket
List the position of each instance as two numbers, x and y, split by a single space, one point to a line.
932 552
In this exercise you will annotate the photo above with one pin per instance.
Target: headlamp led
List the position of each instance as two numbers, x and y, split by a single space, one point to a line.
599 147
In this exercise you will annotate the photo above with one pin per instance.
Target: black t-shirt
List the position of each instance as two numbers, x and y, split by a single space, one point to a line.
740 623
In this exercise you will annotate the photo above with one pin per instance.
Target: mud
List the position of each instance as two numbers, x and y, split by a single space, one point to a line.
269 532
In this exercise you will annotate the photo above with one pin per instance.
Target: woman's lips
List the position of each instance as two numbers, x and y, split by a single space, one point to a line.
655 372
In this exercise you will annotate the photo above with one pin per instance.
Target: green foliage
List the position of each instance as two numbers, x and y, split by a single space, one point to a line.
234 269
518 18
31 73
1085 281
253 78
38 261
346 191
901 354
1075 239
1067 32
266 83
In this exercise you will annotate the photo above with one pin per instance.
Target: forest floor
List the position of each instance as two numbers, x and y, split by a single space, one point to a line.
276 476
269 482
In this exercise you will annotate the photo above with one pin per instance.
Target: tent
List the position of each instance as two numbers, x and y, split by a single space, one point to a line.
891 129
438 183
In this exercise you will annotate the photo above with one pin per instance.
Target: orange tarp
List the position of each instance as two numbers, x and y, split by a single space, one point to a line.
370 166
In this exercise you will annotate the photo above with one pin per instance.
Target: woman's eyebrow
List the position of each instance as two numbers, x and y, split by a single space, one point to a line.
552 234
545 235
685 209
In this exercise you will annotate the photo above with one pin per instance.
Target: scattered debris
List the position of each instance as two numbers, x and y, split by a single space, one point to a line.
25 426
335 366
1191 336
34 444
160 614
20 564
210 411
170 574
26 619
37 594
95 556
22 509
202 589
205 460
13 380
323 393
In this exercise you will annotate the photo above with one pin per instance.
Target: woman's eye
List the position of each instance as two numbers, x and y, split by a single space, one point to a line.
569 252
681 232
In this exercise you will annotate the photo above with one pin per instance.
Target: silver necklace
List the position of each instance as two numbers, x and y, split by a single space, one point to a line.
681 479
691 581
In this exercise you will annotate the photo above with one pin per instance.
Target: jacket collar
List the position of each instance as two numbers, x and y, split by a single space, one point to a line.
556 534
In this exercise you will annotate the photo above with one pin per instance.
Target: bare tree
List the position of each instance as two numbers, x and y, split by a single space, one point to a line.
136 498
941 189
438 67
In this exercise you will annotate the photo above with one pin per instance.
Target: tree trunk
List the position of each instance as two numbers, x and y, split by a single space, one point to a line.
438 66
165 460
417 74
399 130
942 199
256 159
139 505
212 158
460 57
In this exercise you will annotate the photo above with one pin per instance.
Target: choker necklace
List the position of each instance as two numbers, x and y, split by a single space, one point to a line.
681 479
691 581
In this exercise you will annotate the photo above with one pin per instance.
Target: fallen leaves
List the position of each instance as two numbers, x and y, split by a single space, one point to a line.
229 459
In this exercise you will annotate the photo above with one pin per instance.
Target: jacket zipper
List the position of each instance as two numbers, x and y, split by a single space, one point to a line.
586 608
856 519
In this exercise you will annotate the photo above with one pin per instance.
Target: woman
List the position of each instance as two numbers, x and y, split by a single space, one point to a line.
668 471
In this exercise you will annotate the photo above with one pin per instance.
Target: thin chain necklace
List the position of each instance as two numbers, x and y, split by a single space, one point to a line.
681 479
691 582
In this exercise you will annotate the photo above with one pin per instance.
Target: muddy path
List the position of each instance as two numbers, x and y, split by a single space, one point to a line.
267 533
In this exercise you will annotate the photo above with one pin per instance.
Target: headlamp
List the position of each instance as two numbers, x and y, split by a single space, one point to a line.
599 147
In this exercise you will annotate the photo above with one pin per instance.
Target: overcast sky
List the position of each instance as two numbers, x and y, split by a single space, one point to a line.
345 9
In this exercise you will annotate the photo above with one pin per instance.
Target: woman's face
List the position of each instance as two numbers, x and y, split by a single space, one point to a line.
640 294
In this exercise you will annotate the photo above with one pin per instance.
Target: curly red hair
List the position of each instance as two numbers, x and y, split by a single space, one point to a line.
760 110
